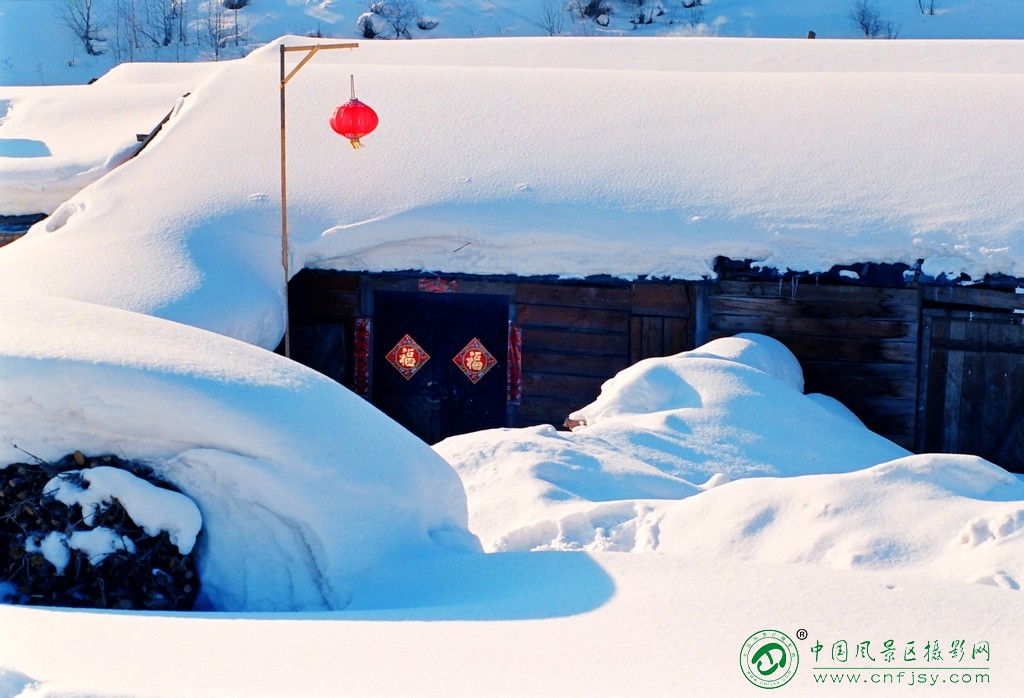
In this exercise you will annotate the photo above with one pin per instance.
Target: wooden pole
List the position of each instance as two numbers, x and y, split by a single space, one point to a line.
284 217
310 51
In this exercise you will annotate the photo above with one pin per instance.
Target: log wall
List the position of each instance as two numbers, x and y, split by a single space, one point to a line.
972 367
931 367
577 336
858 344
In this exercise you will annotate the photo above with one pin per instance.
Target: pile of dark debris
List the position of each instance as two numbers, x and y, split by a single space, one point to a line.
39 567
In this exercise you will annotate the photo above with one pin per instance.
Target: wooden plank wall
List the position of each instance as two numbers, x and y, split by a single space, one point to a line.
856 343
930 367
577 337
662 319
322 310
323 297
972 365
574 339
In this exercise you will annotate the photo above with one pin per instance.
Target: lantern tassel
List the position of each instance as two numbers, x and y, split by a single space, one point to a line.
356 145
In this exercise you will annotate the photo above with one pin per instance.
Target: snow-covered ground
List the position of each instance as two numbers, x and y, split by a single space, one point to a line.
536 624
724 434
705 498
637 553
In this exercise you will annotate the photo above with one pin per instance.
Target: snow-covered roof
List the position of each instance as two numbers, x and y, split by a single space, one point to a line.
554 156
56 140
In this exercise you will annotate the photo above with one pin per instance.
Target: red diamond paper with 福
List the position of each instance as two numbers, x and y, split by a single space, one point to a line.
475 360
407 357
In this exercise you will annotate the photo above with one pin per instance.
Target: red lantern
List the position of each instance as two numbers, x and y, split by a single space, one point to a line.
353 119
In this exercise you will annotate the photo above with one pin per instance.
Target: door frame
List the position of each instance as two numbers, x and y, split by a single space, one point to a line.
463 286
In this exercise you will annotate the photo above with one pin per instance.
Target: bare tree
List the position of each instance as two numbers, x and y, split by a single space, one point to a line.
585 11
126 30
83 19
636 13
552 16
927 7
167 23
140 25
161 19
215 29
589 9
397 14
180 13
210 30
235 29
866 16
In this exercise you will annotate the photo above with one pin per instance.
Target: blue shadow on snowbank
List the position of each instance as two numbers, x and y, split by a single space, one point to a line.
23 148
468 587
496 586
484 587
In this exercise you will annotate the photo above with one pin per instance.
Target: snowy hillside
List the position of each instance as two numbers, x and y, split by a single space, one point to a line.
38 47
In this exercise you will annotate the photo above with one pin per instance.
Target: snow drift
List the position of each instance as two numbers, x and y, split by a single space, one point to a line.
717 452
662 429
947 516
306 491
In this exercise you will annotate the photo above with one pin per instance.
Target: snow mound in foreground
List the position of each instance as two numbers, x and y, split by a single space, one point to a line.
664 428
306 491
716 453
949 516
757 351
